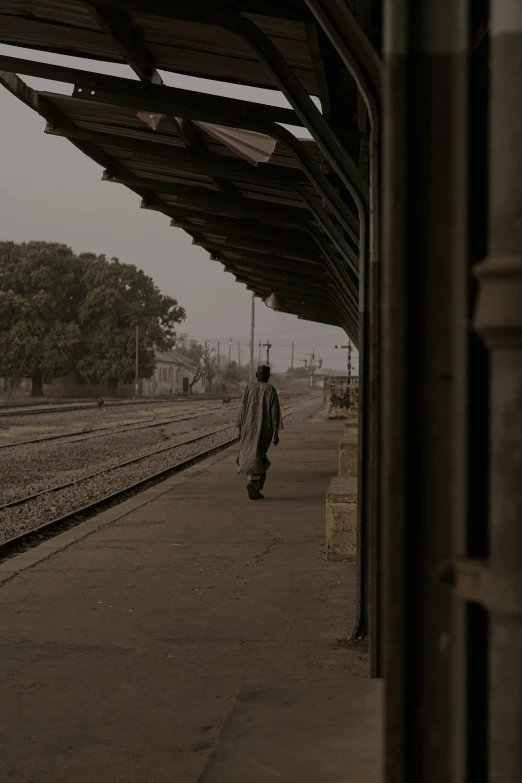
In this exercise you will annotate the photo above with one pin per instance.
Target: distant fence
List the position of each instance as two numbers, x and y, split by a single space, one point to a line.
340 394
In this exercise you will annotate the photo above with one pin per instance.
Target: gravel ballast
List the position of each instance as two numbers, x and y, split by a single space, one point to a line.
33 468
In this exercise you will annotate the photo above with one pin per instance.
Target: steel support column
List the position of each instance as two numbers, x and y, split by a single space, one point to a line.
362 61
499 322
425 280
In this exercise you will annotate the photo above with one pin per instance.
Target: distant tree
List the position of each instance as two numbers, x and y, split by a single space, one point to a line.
297 372
195 353
233 373
210 365
40 290
118 298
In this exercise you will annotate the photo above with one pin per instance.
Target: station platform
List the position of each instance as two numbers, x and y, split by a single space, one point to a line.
125 640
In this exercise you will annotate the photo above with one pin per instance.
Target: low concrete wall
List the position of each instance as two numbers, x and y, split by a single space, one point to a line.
341 395
341 518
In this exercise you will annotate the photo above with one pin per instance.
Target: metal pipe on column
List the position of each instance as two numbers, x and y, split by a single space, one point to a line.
423 388
362 62
499 322
251 372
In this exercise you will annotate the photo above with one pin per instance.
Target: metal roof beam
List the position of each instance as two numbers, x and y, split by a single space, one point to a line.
289 294
284 77
265 246
165 153
224 166
226 111
352 45
260 257
156 97
351 314
213 201
116 24
230 171
268 261
289 287
142 187
332 265
305 283
249 229
275 9
53 115
245 263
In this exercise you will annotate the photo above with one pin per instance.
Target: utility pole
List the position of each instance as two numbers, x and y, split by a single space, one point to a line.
267 345
252 336
137 368
218 357
349 347
229 352
259 353
312 367
292 355
239 353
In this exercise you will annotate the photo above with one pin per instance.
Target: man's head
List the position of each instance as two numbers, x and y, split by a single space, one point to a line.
263 373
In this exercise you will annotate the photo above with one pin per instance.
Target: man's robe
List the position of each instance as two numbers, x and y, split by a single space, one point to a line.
259 418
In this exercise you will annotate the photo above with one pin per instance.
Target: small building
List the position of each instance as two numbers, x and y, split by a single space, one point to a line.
173 374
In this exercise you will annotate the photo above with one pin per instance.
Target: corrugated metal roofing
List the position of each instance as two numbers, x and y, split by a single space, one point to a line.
192 48
263 229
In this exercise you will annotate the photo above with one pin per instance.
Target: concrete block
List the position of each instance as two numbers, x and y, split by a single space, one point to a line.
351 430
341 518
348 456
351 425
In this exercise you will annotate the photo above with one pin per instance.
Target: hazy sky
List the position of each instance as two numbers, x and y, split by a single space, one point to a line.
51 191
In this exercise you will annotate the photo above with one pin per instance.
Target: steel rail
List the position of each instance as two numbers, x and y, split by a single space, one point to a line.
139 458
56 488
15 542
98 432
32 411
46 529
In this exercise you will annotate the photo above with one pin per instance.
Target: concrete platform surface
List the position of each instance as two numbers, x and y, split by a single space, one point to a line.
121 654
302 731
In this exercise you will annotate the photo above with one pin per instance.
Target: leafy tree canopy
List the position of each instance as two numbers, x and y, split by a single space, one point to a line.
40 287
60 312
118 298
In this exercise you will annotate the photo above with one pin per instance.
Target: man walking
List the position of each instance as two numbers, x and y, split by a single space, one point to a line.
259 421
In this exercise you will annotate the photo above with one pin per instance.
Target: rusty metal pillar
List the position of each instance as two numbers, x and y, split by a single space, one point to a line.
499 321
423 387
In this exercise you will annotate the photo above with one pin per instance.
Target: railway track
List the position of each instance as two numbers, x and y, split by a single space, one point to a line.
33 409
99 432
117 466
38 533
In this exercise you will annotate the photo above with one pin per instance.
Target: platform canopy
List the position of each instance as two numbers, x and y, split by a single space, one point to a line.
237 176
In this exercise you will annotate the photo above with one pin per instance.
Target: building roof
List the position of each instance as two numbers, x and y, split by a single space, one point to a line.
288 225
174 357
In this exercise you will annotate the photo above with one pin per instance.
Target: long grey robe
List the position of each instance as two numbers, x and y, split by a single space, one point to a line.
259 418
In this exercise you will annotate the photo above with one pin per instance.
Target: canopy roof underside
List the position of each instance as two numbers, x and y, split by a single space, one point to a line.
287 225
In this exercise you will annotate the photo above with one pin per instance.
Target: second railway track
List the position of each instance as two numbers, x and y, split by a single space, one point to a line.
114 429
